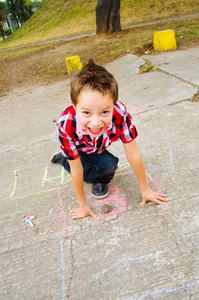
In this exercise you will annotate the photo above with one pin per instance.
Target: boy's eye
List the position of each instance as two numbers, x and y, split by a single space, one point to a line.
86 113
105 112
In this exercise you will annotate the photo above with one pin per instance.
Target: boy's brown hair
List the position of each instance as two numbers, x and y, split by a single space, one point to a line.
96 78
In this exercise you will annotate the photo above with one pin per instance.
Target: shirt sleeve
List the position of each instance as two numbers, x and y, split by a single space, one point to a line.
128 132
67 144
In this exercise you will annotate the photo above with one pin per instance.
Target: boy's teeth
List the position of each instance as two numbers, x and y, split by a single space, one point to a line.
95 129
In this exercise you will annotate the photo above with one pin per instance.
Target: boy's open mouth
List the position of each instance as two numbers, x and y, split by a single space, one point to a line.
95 130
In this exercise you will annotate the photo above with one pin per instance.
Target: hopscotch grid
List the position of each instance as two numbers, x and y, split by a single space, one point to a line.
109 222
62 172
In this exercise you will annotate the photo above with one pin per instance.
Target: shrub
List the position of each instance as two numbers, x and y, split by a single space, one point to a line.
8 32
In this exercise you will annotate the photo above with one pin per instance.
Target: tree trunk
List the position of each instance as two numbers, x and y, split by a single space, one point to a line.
108 16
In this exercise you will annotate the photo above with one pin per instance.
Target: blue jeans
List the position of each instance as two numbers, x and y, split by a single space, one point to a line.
98 168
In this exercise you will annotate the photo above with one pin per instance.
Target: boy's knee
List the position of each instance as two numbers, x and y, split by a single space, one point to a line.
109 165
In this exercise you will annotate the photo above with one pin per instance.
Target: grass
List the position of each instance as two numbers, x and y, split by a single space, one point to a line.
17 53
139 40
46 63
133 40
62 18
147 67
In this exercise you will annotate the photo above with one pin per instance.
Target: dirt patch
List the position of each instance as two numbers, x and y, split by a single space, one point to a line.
47 66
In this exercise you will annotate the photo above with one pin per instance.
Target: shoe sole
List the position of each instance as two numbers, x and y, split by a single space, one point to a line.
100 197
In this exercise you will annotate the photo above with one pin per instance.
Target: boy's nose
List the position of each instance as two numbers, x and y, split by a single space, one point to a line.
96 122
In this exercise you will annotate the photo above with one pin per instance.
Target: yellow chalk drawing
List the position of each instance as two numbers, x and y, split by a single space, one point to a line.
121 168
15 184
45 179
41 186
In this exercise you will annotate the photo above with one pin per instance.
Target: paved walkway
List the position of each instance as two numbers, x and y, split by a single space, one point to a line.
134 252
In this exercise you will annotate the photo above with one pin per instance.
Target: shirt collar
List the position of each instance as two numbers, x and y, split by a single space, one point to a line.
79 129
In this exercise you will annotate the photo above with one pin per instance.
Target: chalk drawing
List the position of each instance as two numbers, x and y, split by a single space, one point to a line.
62 210
160 190
123 265
30 167
54 138
170 154
53 178
124 164
155 183
138 111
39 188
134 217
115 198
120 266
62 268
185 230
15 184
165 291
114 234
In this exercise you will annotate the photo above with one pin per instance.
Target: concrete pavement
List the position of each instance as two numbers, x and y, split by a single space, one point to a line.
134 252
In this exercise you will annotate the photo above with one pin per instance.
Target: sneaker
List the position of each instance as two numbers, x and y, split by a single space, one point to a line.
99 190
56 158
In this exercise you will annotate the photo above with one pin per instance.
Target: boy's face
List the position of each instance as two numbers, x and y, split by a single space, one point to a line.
94 111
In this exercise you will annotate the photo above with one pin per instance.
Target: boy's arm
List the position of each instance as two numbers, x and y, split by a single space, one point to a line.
137 165
84 210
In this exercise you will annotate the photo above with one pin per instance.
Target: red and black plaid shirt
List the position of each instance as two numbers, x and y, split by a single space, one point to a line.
73 137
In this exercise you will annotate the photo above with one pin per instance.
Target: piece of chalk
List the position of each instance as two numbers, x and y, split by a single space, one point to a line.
31 224
24 219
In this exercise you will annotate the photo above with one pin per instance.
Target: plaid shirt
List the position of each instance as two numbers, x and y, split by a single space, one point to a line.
74 137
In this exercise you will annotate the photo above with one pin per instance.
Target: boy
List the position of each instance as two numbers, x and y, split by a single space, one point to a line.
94 120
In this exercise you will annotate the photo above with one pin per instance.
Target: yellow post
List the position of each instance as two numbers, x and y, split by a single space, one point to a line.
73 64
164 40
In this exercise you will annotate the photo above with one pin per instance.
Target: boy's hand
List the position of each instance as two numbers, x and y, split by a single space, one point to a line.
150 195
81 213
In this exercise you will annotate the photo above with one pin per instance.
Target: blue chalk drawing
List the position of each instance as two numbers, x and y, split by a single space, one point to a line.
124 265
114 234
170 154
168 290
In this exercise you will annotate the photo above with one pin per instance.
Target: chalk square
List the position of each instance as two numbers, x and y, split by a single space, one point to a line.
36 179
137 255
162 158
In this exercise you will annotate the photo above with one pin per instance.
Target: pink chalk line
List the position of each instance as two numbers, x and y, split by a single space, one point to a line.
62 209
114 197
139 110
158 188
63 213
122 207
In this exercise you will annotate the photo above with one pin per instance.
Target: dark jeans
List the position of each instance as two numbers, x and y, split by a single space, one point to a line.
98 168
